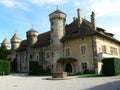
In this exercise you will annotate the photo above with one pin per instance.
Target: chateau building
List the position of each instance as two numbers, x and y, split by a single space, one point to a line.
72 47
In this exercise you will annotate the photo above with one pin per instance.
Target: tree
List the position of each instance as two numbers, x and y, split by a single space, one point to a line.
4 53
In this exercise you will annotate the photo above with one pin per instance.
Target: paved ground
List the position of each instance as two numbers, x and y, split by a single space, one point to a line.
24 82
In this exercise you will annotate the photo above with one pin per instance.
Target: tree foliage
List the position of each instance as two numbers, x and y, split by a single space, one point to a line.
4 53
4 67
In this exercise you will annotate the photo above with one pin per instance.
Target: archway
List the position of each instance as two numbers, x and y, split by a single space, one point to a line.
68 68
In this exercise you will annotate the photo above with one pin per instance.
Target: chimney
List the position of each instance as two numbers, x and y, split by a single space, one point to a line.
79 12
93 20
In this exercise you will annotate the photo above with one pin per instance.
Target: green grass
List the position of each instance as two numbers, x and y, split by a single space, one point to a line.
89 75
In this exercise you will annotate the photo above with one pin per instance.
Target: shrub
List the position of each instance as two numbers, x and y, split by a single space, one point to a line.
111 66
4 67
88 71
33 68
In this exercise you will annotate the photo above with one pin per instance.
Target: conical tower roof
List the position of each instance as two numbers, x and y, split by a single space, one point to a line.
15 36
57 11
5 41
31 30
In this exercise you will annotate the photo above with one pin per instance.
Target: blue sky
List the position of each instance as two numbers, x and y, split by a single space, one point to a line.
19 15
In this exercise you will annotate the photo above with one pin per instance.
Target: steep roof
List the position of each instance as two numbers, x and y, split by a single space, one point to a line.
5 41
57 11
73 31
86 28
15 36
43 40
31 30
23 46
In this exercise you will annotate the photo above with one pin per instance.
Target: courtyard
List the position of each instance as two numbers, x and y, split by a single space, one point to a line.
25 82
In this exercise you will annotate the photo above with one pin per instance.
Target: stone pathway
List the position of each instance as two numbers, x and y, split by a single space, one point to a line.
24 82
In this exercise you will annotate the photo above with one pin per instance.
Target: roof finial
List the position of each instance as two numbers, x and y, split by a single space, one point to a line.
15 31
57 7
32 27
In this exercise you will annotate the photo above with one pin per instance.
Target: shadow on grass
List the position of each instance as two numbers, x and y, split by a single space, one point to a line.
108 86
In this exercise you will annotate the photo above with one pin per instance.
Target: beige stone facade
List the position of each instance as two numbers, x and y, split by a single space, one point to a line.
72 47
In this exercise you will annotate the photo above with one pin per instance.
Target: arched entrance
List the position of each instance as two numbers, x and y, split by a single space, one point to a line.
68 68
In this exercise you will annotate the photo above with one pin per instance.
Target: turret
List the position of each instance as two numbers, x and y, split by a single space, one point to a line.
32 36
93 20
15 42
57 21
79 12
6 43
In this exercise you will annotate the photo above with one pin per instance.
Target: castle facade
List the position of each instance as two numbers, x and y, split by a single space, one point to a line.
72 47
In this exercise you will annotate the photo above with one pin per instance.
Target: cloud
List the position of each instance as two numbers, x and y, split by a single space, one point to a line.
53 2
13 4
100 7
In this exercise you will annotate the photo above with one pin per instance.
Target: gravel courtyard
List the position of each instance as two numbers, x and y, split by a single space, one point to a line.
24 82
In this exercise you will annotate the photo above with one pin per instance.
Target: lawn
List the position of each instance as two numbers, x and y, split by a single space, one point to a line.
89 75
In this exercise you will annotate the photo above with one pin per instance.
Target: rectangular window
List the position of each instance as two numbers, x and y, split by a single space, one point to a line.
104 49
31 57
47 55
84 65
113 51
68 52
37 57
51 54
83 50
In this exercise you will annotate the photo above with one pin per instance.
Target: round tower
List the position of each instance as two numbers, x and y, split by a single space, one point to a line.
32 36
6 43
57 21
15 42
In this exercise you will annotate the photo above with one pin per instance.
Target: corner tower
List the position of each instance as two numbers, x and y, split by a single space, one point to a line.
57 25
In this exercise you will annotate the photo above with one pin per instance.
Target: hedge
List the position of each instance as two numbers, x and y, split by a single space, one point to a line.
111 66
4 67
33 68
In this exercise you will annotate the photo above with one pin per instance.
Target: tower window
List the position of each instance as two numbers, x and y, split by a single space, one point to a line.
51 29
52 23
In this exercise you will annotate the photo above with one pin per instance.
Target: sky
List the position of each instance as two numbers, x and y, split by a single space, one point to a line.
18 16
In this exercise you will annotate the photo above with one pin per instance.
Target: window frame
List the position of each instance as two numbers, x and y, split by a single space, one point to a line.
83 66
47 55
84 51
67 52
